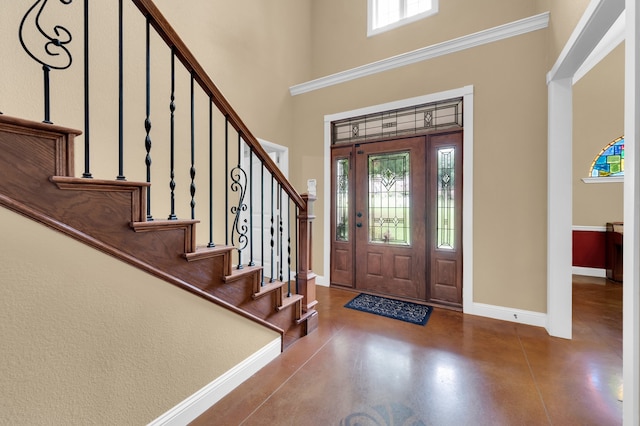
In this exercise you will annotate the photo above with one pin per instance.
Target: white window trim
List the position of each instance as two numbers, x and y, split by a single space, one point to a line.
606 179
400 23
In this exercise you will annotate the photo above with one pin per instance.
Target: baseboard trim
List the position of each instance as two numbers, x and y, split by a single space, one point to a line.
589 272
519 316
199 402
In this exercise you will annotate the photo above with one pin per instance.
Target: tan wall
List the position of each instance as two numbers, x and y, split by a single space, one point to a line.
509 137
87 339
598 100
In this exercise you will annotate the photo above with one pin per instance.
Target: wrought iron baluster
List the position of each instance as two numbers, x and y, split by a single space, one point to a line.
192 170
239 185
87 127
272 276
280 277
251 262
226 180
172 108
262 220
147 120
53 47
120 93
288 246
211 243
297 248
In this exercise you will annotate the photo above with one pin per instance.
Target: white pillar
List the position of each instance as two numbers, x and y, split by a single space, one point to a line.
559 208
631 299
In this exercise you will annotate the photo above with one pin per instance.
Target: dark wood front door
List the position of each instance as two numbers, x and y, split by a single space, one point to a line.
397 217
390 218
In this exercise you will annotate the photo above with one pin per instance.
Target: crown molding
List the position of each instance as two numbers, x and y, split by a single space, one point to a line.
501 32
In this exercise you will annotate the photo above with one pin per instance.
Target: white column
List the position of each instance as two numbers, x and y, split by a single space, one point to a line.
631 299
559 208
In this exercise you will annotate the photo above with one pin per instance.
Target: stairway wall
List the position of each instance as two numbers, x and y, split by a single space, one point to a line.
89 339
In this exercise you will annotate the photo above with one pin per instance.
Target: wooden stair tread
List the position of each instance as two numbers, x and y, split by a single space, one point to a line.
290 300
268 288
205 252
236 273
71 183
162 225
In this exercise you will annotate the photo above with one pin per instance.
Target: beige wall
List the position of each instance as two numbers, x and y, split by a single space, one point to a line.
87 339
598 100
509 137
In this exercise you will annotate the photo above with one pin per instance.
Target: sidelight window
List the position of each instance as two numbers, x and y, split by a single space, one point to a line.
342 199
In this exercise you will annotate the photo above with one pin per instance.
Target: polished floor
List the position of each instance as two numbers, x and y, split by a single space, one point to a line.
362 369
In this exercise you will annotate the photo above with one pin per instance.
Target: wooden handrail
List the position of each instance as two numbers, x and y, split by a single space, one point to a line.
182 52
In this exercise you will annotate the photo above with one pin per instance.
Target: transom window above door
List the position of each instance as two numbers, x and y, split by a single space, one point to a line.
388 14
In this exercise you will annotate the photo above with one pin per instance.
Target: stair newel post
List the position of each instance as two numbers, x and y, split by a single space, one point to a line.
306 277
226 180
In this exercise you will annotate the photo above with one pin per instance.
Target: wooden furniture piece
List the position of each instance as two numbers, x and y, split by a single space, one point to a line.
613 256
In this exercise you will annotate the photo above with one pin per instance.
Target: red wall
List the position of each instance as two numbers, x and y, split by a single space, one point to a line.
589 249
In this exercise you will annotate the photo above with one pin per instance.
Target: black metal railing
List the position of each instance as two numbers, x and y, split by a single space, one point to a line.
253 183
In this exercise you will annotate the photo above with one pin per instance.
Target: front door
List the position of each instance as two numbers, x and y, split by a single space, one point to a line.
390 218
396 218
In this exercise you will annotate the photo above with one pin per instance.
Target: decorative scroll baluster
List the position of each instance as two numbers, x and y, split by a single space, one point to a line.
251 201
147 120
53 48
211 243
87 127
239 185
172 108
192 170
120 94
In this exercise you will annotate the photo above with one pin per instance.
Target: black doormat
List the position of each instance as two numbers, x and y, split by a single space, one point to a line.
396 309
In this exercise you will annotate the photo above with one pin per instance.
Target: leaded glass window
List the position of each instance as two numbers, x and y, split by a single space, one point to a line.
389 198
342 199
414 120
610 161
445 221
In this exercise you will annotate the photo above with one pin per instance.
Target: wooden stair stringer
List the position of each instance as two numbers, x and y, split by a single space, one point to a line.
52 223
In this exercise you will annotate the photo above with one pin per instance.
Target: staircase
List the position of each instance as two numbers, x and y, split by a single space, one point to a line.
38 180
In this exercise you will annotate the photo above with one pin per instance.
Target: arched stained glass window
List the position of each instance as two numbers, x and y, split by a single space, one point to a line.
610 161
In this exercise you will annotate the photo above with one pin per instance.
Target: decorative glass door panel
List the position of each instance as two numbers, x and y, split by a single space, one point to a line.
389 198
